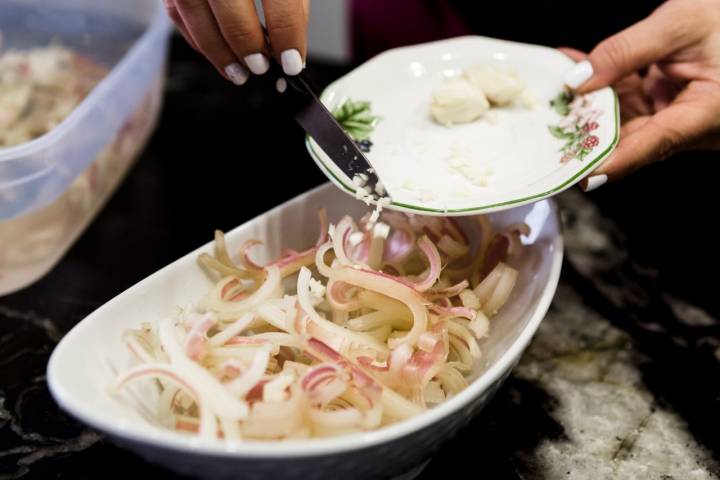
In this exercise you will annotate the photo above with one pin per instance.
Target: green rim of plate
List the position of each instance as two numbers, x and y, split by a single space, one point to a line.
516 202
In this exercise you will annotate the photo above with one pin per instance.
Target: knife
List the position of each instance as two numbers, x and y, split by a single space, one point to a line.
304 105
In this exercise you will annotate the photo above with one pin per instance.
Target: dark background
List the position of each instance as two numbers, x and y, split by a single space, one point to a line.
216 161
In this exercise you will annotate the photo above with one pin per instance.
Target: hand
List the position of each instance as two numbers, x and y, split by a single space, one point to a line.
666 70
229 34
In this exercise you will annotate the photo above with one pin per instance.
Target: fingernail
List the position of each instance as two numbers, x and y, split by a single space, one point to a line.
593 182
579 74
291 61
236 73
257 63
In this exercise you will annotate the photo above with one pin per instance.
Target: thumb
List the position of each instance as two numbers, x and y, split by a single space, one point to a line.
628 51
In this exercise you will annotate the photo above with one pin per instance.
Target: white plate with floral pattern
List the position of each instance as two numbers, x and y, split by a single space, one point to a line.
523 154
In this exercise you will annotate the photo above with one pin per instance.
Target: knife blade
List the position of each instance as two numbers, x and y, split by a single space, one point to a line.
307 109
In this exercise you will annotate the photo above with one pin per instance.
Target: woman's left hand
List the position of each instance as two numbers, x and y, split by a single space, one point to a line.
666 70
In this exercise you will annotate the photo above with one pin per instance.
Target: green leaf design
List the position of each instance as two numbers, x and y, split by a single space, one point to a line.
558 132
356 118
561 103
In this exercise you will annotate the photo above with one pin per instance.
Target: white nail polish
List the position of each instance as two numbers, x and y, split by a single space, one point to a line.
257 63
236 73
291 61
595 181
579 74
281 85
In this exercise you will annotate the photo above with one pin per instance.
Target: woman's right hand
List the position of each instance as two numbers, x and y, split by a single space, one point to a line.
229 34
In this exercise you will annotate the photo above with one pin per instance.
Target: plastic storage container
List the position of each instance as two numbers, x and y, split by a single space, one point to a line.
51 187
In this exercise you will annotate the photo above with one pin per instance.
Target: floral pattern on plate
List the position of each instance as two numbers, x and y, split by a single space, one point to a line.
577 126
358 121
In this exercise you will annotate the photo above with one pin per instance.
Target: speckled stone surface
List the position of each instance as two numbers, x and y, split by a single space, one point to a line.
621 382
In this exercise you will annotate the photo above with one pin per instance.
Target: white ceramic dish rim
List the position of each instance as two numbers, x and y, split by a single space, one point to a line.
493 207
304 448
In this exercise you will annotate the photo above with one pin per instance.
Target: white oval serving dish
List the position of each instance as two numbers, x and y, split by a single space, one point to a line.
80 370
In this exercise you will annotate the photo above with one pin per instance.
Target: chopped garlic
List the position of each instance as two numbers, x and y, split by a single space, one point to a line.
380 188
358 181
361 193
381 230
374 217
317 292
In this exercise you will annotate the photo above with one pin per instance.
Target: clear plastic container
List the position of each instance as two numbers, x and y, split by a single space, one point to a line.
52 187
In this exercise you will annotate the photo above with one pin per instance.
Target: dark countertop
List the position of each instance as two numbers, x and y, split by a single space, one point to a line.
622 380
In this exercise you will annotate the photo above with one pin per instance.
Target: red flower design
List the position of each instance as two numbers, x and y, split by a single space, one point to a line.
591 142
590 126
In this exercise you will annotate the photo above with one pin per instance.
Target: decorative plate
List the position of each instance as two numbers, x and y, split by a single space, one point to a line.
509 157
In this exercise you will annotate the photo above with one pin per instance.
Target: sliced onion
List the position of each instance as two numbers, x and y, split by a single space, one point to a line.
480 325
486 236
360 379
433 257
514 232
453 229
250 377
497 252
369 346
451 291
236 328
324 383
215 396
343 230
502 291
469 299
179 377
396 407
276 419
400 243
270 288
451 380
485 289
276 389
454 312
342 296
464 334
423 365
245 259
452 248
433 393
336 336
336 420
196 339
322 267
392 288
432 226
378 319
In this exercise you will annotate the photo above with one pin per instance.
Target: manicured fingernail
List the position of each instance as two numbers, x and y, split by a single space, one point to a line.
291 61
579 74
281 85
236 73
257 63
596 181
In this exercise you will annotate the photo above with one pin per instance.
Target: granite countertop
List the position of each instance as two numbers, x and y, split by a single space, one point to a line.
621 381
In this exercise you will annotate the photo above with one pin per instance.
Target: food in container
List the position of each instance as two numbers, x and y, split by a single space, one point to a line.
80 92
